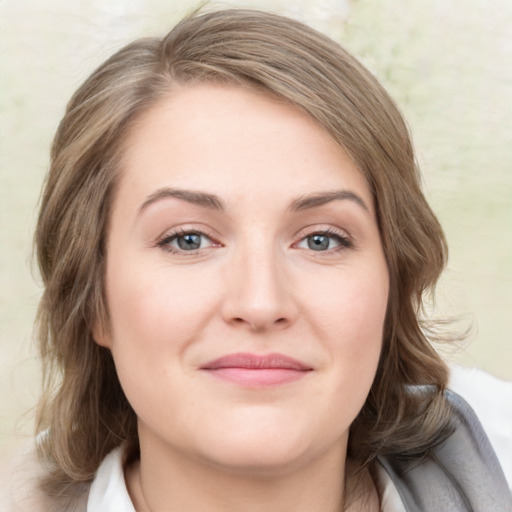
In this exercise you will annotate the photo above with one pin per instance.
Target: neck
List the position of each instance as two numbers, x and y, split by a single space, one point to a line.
159 482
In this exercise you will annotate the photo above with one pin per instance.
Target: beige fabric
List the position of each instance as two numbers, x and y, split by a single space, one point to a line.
19 487
19 477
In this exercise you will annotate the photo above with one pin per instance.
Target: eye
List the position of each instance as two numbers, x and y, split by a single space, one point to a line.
324 241
186 241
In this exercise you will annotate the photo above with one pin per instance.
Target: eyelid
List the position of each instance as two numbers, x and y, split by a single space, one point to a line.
344 238
163 241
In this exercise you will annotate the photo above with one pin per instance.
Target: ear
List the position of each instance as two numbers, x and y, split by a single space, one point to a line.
101 333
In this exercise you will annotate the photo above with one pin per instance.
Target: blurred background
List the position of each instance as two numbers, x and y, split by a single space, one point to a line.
447 63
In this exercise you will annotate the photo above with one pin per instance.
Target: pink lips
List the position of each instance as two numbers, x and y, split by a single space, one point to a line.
257 370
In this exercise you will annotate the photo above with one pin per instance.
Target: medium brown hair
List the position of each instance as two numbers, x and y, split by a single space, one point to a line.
83 412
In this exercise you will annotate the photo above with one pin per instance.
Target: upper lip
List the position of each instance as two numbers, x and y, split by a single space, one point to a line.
256 362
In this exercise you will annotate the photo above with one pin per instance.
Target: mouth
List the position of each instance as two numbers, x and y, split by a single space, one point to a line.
252 370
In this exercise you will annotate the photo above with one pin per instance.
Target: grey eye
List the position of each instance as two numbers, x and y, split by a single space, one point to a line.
324 241
189 241
186 241
319 242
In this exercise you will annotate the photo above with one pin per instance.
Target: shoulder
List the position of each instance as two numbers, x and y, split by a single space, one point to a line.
20 490
460 474
19 479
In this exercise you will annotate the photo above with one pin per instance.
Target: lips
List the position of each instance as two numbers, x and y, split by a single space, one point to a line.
257 370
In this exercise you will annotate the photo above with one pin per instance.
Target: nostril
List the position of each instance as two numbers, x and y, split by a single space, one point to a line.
259 325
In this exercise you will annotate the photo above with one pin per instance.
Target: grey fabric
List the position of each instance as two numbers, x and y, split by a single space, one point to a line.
462 474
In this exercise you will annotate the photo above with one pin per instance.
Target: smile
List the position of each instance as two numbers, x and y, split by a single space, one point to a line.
257 370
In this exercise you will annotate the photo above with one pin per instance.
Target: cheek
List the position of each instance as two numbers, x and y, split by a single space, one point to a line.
158 308
155 316
349 314
350 305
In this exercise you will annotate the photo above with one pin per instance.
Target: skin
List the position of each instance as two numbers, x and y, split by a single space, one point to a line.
255 286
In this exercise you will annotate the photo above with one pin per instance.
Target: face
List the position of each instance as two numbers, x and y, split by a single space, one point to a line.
246 282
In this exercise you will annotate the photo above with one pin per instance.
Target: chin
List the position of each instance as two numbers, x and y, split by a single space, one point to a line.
265 452
266 461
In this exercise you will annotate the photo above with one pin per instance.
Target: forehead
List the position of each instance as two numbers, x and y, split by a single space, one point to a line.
233 140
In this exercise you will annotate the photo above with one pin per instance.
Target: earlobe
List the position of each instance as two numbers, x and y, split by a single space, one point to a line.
101 334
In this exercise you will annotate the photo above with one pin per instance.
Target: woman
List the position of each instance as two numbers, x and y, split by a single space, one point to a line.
235 246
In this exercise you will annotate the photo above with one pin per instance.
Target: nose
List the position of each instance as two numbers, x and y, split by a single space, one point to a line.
259 294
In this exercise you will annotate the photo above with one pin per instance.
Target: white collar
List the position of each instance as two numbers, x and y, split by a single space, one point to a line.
108 491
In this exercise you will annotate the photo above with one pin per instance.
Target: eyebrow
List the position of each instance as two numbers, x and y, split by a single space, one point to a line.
213 202
203 199
321 198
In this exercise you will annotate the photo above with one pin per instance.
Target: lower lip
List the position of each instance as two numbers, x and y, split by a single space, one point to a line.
258 377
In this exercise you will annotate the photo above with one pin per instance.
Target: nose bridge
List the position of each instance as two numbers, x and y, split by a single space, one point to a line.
259 293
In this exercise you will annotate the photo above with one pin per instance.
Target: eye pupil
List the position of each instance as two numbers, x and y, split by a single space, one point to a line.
318 242
189 242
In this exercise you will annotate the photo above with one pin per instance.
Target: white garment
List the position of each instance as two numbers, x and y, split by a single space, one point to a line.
108 490
109 494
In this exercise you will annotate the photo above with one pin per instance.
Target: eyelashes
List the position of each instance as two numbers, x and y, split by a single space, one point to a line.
189 242
184 241
325 240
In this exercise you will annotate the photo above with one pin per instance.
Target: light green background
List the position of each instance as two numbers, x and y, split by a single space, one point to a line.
448 63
